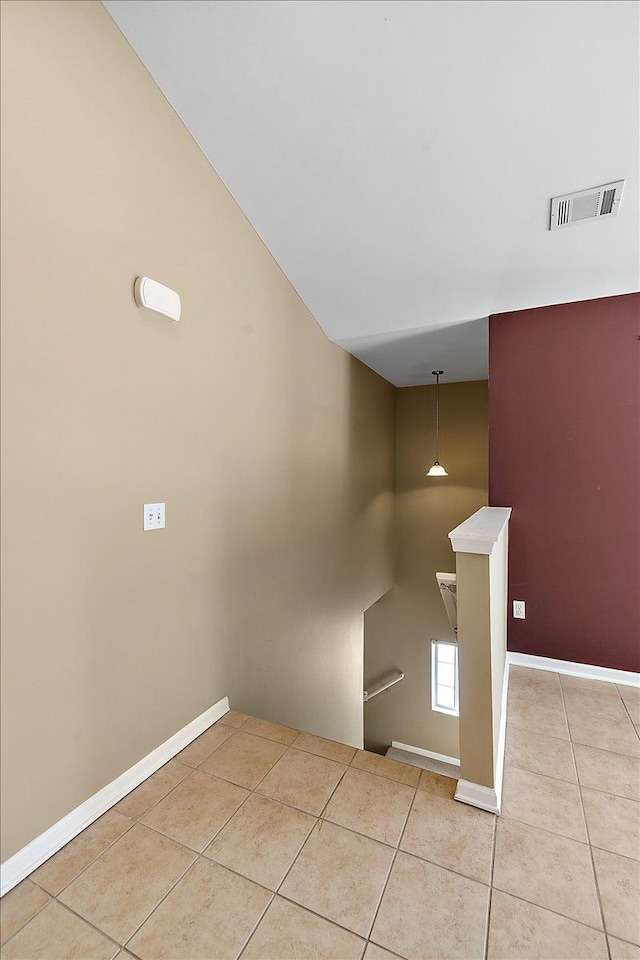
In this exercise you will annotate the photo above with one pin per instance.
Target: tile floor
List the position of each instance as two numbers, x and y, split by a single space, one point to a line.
260 842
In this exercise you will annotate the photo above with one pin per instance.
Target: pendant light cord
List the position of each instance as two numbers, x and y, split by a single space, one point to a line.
437 418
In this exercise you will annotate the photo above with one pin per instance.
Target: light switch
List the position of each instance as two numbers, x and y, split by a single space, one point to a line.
153 516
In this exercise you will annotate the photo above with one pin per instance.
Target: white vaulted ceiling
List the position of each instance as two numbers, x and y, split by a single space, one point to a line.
398 158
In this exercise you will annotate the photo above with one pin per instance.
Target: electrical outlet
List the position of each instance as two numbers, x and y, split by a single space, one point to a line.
153 516
518 609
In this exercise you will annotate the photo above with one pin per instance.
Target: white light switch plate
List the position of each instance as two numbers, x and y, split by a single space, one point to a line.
518 609
153 516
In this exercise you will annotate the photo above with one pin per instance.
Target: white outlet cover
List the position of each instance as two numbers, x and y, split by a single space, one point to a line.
518 610
153 517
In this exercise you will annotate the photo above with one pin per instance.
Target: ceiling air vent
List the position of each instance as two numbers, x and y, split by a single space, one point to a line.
586 205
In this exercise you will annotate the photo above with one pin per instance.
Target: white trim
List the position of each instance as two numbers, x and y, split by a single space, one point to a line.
426 753
480 532
20 865
502 737
478 796
624 677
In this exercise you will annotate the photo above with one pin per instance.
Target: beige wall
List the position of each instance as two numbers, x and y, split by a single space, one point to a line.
272 448
400 626
482 635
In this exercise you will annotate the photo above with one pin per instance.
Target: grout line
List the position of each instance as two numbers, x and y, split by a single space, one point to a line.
263 736
535 826
80 917
160 800
607 793
162 899
316 825
393 953
91 862
53 900
586 826
491 869
633 723
549 776
391 866
563 916
245 944
313 913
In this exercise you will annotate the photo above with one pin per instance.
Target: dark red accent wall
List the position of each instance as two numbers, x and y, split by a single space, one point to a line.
564 452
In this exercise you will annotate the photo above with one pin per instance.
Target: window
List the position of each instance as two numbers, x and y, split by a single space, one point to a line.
444 677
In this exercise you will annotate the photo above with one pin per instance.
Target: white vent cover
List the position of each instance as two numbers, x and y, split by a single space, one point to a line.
585 205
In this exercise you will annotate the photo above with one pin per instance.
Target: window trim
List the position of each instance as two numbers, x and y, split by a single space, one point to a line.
455 711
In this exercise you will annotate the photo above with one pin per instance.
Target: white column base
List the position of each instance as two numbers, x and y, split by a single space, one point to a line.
476 795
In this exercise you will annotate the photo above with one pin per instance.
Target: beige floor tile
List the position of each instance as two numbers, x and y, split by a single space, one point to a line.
548 696
374 952
272 731
196 809
121 888
340 875
609 772
540 754
530 717
57 934
371 805
125 955
262 840
437 784
385 767
623 951
67 863
613 822
243 759
619 886
521 931
233 719
543 802
451 834
430 912
19 905
209 914
631 699
302 780
325 748
603 731
289 932
157 786
546 869
588 687
200 748
610 705
529 675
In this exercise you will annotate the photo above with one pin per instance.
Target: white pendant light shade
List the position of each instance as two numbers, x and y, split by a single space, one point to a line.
437 470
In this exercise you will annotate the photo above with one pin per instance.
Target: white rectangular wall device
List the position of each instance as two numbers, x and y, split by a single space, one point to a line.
153 518
155 296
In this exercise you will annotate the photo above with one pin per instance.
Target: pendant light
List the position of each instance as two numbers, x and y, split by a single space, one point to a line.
437 470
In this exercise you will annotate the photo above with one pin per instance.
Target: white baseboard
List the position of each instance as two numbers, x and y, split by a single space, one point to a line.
478 796
624 677
443 758
20 865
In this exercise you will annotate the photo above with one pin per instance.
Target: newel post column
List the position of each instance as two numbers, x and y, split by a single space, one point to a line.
481 547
